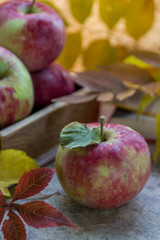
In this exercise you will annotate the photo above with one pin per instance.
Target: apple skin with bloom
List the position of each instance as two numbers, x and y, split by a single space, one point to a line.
37 38
51 82
16 89
105 175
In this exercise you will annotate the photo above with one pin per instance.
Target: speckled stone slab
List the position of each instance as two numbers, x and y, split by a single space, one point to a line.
137 220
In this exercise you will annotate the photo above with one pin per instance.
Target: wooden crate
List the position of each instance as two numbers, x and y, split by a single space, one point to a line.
40 131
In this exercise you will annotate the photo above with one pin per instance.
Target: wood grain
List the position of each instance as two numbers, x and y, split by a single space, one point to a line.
40 131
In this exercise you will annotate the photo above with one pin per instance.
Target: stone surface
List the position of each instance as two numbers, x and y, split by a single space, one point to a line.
137 220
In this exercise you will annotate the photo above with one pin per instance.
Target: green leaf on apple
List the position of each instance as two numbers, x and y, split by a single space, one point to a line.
76 135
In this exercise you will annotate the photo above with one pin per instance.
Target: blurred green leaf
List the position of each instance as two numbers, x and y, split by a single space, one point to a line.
145 101
81 9
157 137
137 62
156 75
112 10
50 3
139 17
99 52
71 50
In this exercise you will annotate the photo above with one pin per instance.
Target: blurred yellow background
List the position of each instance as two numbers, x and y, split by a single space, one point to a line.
99 31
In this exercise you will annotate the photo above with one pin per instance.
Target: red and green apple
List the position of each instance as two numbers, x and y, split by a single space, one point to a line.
33 32
51 82
16 89
102 167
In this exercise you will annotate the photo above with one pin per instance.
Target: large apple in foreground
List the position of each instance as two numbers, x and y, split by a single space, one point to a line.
106 174
51 82
16 89
36 36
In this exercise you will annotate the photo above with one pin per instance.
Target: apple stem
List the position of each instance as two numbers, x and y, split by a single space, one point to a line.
102 123
31 7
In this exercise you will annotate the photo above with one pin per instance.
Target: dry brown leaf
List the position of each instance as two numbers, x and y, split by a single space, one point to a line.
149 57
107 109
74 99
114 82
98 81
105 97
128 72
152 88
132 104
126 94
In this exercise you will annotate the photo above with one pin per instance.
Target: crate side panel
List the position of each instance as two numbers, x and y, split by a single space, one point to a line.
43 134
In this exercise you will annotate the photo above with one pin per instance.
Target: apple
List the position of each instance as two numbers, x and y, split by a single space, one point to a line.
51 82
35 33
16 89
104 172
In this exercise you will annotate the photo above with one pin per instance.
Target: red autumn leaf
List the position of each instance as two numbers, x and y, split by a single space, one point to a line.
33 182
39 214
13 228
2 212
2 199
3 206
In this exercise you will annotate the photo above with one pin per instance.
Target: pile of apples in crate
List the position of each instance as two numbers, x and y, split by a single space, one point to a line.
32 36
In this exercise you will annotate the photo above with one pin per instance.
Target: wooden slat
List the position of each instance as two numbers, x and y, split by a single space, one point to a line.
39 132
48 157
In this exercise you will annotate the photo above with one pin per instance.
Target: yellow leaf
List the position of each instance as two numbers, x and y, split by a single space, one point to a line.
99 53
81 9
121 53
158 137
156 75
150 57
139 17
145 101
71 50
137 62
112 10
13 163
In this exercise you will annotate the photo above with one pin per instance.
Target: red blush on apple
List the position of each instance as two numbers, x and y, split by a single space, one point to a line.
51 82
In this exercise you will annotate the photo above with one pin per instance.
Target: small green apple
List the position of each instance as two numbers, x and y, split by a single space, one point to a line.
16 89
